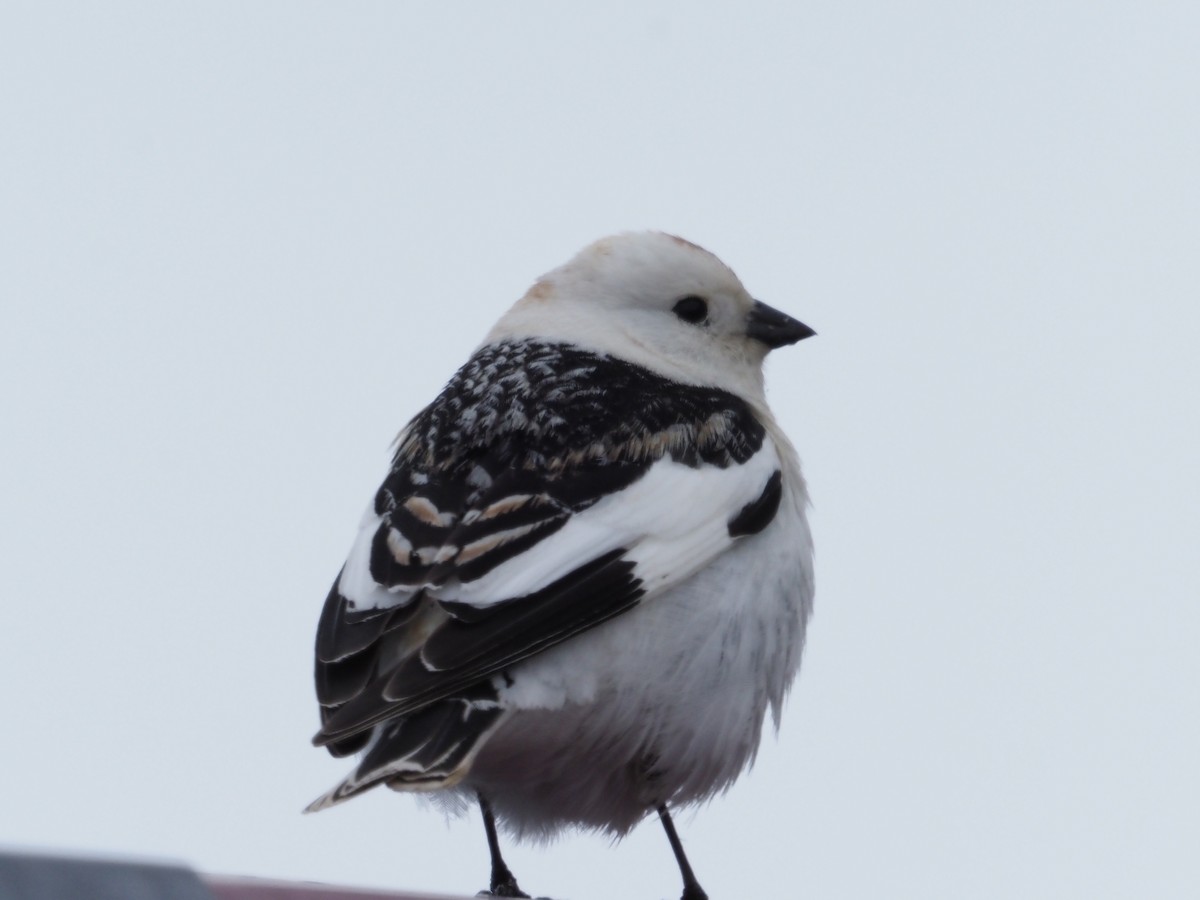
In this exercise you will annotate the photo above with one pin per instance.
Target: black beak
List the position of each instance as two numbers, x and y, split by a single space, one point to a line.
773 328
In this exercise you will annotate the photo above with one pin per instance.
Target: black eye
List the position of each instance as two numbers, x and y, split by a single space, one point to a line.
692 309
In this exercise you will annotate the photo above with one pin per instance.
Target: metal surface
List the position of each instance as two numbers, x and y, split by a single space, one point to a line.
33 876
260 889
25 876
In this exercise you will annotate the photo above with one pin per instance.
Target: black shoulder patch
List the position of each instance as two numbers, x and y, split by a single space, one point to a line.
757 515
551 406
525 435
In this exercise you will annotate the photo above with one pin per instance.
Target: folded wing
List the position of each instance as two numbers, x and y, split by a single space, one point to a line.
545 491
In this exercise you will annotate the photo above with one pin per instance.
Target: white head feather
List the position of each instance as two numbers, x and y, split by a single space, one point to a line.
618 295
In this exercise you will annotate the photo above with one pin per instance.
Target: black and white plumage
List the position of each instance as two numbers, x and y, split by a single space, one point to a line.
587 575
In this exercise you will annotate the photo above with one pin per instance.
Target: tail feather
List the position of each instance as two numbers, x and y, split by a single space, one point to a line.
431 749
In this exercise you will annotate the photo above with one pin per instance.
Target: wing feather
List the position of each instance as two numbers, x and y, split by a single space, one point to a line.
524 508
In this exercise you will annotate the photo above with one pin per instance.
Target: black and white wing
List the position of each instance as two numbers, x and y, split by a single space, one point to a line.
544 491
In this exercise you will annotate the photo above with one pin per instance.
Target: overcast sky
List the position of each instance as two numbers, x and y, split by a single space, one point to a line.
241 243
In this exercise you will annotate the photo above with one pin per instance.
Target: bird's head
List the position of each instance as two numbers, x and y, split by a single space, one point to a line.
661 302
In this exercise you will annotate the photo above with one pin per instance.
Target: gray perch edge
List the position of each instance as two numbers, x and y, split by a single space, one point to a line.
26 876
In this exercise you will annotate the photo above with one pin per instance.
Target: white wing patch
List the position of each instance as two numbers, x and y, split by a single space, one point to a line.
672 521
356 583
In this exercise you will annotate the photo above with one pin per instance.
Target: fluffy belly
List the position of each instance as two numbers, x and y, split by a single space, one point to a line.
664 704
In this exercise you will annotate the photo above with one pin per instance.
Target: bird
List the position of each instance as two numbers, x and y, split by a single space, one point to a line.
586 578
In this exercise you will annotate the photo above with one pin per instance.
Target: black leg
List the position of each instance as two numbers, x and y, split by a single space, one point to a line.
691 887
504 884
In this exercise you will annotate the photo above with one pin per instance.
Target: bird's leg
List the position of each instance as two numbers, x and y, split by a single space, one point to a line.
504 883
691 887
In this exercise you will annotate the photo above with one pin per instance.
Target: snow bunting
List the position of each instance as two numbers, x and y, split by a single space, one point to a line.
586 577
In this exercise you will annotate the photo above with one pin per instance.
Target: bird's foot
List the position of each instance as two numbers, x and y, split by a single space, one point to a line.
498 890
504 887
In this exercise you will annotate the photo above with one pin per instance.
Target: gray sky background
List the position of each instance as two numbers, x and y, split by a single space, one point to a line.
241 243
